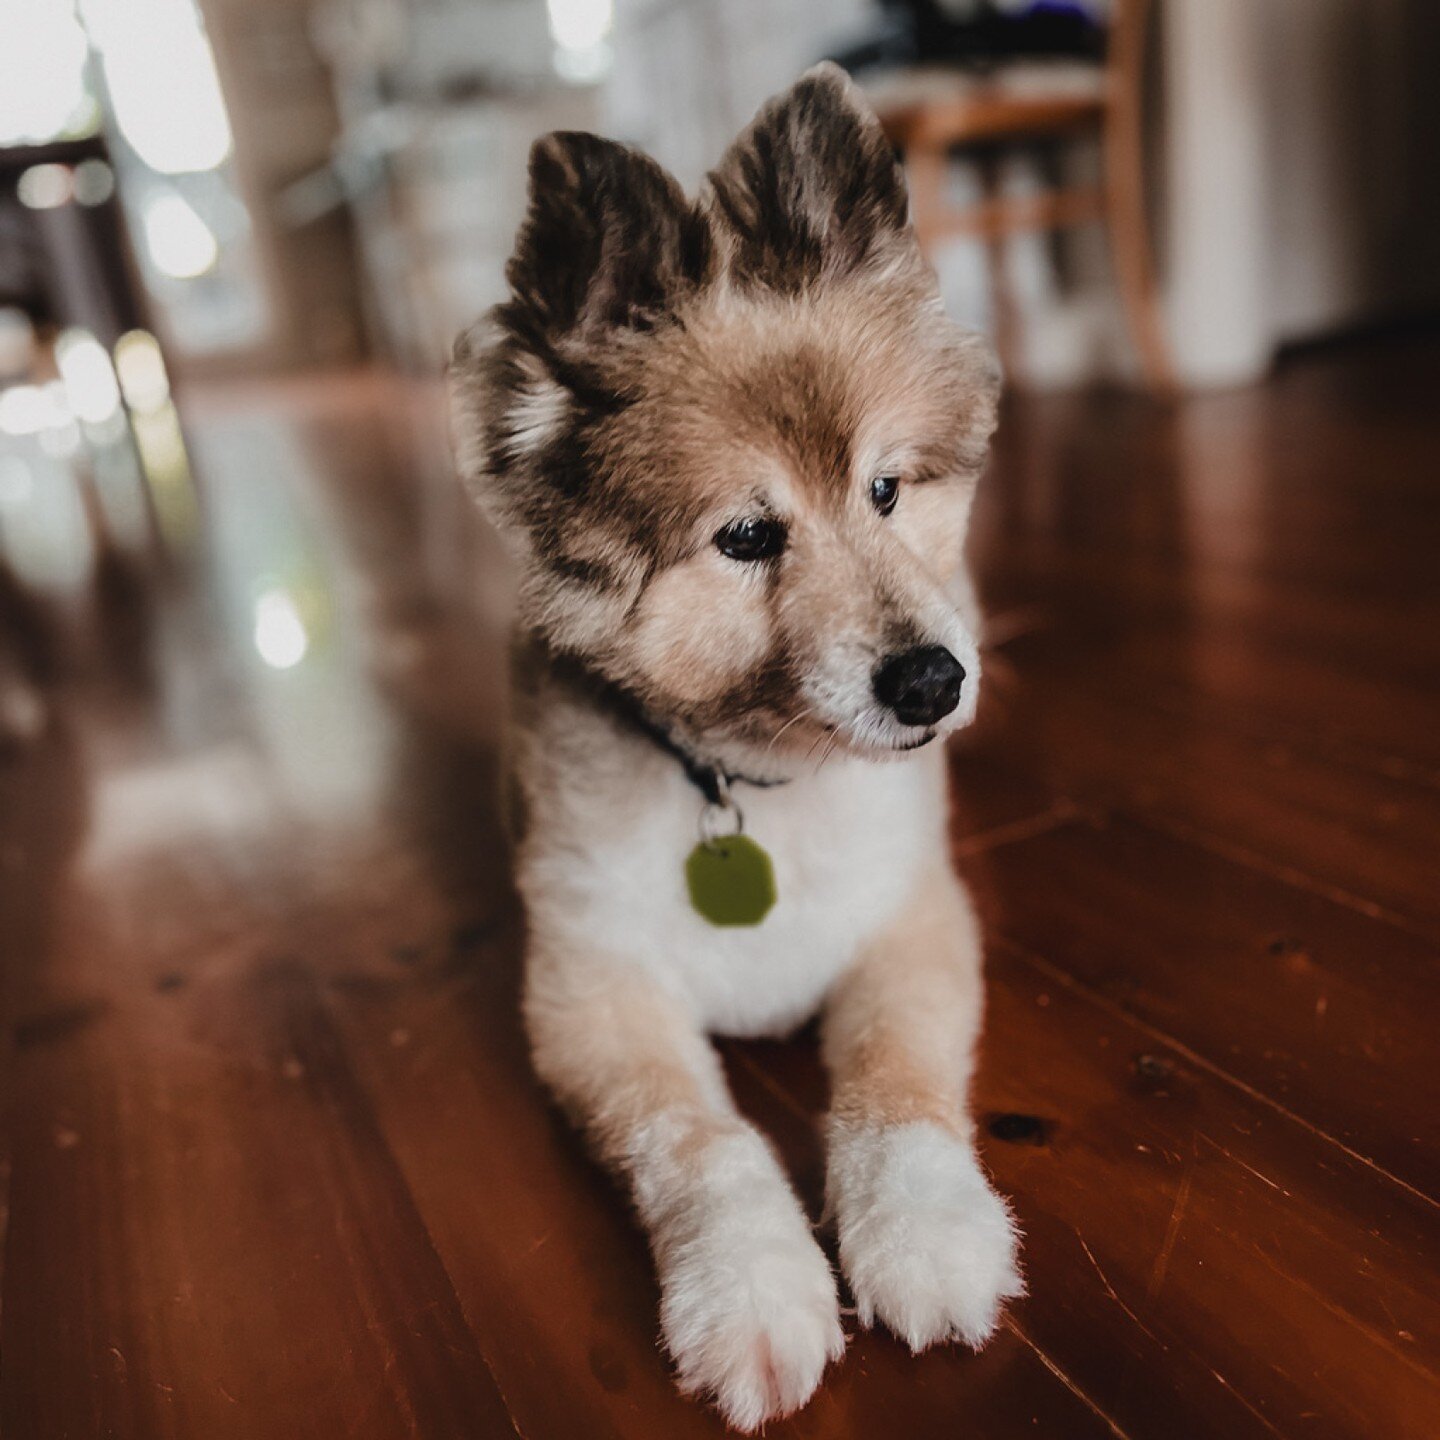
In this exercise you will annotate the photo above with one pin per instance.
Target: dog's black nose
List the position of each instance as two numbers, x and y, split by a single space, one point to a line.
921 686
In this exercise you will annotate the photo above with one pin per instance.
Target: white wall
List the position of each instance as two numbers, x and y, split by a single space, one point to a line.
1301 159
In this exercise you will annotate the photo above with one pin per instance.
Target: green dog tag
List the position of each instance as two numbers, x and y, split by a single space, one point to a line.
731 880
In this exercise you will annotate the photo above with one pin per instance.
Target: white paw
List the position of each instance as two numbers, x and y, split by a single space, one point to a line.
925 1243
749 1312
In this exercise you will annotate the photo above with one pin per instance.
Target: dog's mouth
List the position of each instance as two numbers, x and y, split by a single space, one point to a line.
925 739
789 746
884 747
868 740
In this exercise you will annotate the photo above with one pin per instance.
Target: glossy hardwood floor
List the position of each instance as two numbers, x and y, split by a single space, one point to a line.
274 1161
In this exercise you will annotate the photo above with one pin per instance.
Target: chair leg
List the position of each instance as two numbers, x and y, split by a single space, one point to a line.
1125 222
1004 315
926 170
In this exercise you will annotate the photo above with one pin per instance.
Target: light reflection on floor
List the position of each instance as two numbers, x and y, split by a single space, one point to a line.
308 609
91 459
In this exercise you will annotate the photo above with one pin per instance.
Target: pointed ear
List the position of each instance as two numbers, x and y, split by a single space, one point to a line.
609 239
811 187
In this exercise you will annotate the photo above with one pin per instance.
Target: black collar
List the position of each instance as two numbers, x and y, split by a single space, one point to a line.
710 780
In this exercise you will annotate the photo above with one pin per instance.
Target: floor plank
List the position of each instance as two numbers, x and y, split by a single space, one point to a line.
206 1228
1364 838
271 1154
1199 1264
1328 1013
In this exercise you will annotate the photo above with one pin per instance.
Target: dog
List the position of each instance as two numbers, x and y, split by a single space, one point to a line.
732 442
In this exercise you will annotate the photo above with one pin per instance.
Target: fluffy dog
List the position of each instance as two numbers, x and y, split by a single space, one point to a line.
733 441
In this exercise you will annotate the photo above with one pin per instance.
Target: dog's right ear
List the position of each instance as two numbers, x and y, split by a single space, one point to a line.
609 240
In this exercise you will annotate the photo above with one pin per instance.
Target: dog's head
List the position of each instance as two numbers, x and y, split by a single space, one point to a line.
734 439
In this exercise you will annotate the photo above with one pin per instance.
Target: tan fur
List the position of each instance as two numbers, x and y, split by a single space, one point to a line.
620 1054
664 369
900 1026
689 646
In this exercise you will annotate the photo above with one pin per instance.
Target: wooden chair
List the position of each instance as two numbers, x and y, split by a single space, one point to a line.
932 113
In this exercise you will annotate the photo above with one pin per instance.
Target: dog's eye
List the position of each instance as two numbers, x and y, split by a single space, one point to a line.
756 537
884 492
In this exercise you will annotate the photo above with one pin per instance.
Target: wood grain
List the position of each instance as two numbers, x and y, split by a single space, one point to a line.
272 1158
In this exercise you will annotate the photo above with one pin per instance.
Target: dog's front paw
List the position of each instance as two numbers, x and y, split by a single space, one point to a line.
925 1243
750 1314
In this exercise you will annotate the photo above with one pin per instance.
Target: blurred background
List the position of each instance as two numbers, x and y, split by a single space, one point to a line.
1162 195
275 187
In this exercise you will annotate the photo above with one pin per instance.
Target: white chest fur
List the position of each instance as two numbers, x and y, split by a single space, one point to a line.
602 869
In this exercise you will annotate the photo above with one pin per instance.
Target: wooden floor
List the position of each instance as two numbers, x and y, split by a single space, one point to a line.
276 1166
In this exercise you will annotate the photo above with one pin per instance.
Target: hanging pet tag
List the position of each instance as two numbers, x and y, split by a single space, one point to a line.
730 878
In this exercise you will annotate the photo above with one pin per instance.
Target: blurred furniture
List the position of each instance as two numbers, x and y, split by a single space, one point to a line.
437 105
931 113
283 115
72 263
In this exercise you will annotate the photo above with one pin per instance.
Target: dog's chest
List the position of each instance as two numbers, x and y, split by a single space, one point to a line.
846 846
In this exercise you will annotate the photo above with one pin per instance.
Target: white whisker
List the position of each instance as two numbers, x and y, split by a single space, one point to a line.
829 749
794 720
823 735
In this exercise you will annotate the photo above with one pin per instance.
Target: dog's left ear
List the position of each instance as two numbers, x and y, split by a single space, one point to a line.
812 188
